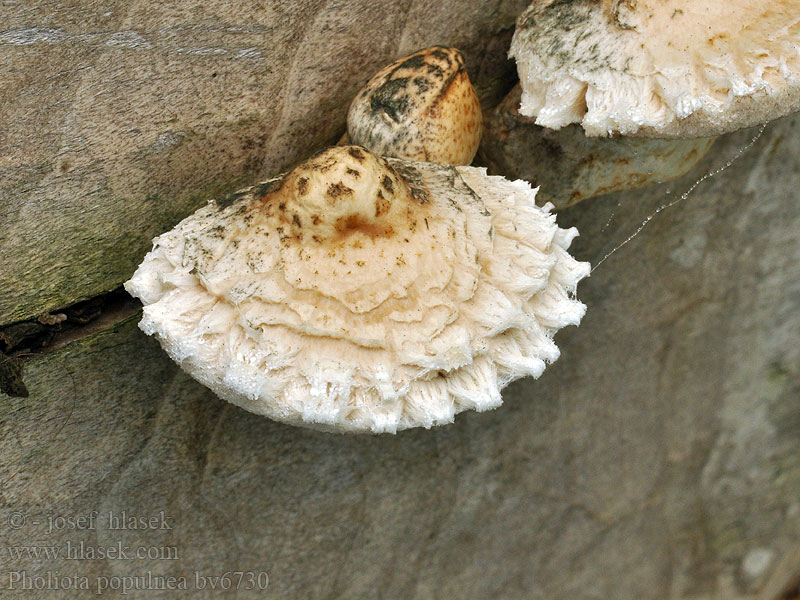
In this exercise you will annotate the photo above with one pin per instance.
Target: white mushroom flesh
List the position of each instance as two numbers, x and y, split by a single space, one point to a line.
363 294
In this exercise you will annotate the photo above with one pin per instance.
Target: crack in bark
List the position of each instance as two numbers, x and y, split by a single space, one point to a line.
54 330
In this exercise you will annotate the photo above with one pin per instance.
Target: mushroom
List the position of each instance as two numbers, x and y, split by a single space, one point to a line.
658 68
363 294
421 107
569 167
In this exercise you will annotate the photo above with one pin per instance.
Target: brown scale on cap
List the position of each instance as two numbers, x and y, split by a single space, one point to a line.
340 192
421 107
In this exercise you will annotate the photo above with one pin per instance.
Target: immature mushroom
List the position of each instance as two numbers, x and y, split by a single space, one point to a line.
569 167
359 293
421 107
659 68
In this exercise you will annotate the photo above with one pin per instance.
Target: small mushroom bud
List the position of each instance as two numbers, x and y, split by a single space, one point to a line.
359 293
422 107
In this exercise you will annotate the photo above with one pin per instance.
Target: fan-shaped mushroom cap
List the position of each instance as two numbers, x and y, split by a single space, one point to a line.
659 68
421 107
363 294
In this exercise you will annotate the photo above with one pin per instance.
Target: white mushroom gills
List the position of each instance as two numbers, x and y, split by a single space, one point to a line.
363 294
659 68
421 107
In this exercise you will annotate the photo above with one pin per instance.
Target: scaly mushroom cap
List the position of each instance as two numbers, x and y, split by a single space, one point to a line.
659 68
363 294
421 107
